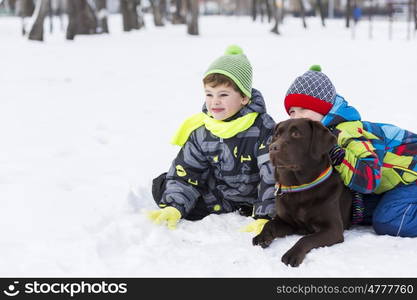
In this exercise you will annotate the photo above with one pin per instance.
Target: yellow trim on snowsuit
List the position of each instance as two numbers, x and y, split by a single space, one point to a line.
219 128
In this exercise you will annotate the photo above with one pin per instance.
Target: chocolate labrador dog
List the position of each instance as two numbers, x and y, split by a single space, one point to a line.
311 198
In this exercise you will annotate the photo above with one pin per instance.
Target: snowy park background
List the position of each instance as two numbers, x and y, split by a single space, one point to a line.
85 126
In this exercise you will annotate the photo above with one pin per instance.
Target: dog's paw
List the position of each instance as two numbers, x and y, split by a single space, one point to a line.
264 239
267 235
259 240
294 257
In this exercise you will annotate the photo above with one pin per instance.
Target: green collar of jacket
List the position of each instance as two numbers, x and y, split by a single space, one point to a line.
220 129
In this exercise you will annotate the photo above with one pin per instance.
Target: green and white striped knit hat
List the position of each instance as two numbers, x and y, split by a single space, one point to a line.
235 65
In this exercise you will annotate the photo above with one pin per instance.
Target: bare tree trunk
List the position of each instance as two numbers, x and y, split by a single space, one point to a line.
41 10
371 12
24 9
275 10
243 7
391 19
268 10
72 20
101 7
409 18
269 7
10 5
163 9
131 13
321 11
51 17
87 19
81 19
415 14
302 13
157 15
192 17
254 10
179 15
62 10
139 12
348 12
261 9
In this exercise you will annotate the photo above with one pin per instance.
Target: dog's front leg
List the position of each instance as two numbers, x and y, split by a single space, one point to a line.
295 256
273 229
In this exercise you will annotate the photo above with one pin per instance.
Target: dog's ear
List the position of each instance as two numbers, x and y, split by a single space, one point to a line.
322 140
276 127
275 131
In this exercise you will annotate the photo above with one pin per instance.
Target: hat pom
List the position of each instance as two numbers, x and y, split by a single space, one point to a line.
315 68
233 50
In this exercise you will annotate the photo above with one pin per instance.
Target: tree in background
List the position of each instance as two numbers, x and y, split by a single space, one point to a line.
260 8
302 13
320 7
192 17
9 5
41 10
132 14
276 9
180 12
415 14
84 17
81 18
24 9
90 16
348 12
102 13
158 10
243 7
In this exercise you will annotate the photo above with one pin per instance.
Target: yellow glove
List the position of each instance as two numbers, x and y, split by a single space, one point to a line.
255 226
169 214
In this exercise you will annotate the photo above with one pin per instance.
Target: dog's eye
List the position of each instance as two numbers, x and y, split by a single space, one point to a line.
295 134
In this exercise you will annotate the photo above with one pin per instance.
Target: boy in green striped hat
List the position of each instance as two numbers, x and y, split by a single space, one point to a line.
223 164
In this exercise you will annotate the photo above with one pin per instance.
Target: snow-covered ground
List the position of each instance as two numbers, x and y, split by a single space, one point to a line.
85 126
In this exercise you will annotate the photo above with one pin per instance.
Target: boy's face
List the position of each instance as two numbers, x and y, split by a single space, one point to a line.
223 101
299 112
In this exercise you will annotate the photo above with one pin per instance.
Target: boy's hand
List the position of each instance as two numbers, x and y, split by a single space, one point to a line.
169 215
255 226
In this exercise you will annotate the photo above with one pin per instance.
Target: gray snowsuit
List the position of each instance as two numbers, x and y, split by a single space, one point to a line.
225 173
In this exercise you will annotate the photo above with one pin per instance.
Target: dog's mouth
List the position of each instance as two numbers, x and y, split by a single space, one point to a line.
279 164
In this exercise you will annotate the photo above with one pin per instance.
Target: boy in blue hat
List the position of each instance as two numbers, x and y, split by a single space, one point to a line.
377 161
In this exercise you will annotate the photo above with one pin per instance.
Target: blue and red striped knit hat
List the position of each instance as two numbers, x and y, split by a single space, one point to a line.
312 90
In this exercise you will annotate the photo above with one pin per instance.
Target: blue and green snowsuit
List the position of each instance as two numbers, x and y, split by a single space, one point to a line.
381 163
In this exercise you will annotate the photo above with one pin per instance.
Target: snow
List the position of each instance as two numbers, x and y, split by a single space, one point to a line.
85 126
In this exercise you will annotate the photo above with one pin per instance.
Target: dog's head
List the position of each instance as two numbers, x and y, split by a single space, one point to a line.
298 143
